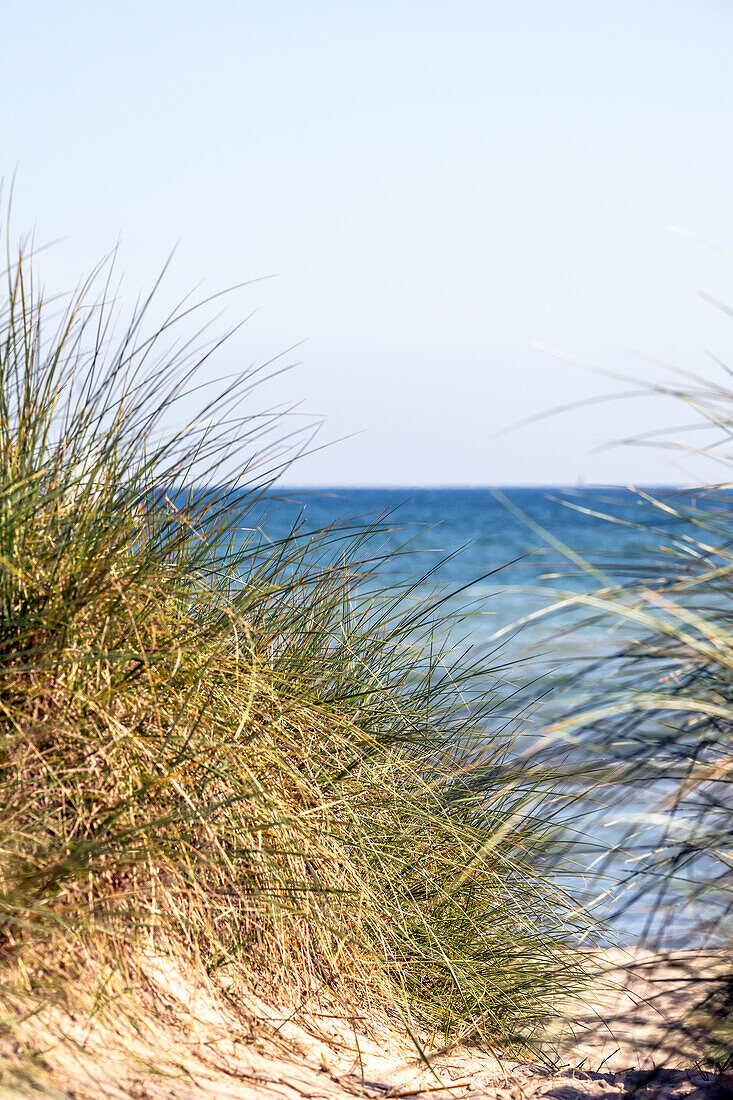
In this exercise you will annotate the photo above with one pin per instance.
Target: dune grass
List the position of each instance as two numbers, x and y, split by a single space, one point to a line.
231 749
650 725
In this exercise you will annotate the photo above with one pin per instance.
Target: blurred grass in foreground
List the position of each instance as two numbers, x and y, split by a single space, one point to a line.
648 725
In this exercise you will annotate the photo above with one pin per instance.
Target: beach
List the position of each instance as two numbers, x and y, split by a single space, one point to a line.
191 1040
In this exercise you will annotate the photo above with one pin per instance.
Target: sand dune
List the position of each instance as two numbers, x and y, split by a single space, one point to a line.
189 1040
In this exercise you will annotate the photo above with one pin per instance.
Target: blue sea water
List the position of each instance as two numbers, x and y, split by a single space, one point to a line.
507 555
503 549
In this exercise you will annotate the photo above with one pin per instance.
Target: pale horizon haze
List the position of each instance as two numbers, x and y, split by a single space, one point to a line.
426 193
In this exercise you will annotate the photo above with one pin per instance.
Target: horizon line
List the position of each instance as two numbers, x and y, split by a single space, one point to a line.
492 485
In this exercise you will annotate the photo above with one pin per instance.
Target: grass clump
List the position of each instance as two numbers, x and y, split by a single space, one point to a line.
651 722
216 745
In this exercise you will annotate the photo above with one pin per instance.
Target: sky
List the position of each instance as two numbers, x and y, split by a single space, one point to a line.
426 194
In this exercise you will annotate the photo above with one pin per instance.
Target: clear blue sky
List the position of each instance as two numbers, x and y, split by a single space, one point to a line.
434 185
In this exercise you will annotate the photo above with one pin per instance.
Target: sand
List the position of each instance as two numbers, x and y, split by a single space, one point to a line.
194 1040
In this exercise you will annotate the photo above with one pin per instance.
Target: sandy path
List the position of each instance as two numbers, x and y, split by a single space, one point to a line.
197 1042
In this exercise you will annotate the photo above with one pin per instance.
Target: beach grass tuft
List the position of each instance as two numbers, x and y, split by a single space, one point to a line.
649 722
239 751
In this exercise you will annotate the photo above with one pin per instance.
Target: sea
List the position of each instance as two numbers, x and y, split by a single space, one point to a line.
502 559
506 553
